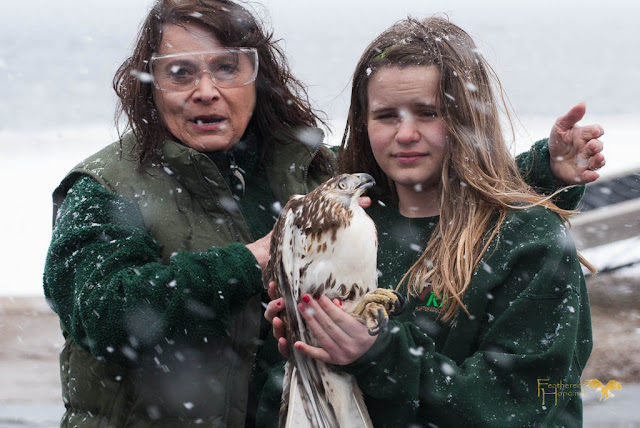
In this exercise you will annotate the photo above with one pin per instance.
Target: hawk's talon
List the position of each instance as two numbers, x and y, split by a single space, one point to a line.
399 305
383 321
374 308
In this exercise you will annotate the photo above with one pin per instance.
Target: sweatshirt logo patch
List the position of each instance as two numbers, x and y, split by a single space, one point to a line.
429 301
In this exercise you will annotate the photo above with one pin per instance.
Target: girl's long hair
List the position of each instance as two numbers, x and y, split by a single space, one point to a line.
282 102
480 181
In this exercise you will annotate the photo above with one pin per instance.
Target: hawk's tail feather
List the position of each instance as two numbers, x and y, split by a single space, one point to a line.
299 395
304 410
336 399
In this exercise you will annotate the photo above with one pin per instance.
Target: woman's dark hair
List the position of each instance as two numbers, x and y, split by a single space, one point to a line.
282 102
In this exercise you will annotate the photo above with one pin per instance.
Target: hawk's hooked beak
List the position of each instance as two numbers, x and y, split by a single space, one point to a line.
366 181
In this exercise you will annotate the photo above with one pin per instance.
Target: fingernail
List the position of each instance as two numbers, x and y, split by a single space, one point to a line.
301 307
279 303
306 298
340 302
298 346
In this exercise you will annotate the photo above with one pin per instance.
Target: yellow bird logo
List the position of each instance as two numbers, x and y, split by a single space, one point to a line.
605 390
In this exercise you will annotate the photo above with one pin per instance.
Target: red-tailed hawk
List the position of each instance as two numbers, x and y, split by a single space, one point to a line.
324 243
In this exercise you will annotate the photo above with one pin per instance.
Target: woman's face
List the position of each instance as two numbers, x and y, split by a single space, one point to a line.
204 117
406 135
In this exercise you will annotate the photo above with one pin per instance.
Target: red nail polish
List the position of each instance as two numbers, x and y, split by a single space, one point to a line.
340 302
298 346
278 303
301 307
306 298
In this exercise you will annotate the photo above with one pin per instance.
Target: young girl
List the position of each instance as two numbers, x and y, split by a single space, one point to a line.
497 330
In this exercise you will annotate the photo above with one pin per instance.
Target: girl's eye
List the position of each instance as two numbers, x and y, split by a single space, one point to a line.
384 116
428 113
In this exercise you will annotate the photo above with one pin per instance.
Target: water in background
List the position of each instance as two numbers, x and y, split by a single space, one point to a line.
57 60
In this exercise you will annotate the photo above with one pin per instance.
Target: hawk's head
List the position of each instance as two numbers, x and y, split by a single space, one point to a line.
347 188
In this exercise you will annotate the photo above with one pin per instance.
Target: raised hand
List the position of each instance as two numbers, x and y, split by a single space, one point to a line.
575 150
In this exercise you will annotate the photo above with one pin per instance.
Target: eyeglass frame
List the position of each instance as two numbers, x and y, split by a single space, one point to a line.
155 56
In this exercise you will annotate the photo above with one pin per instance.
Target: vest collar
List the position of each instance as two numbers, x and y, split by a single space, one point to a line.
286 164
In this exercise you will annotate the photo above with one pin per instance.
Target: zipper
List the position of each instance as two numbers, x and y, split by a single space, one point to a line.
230 382
235 170
229 220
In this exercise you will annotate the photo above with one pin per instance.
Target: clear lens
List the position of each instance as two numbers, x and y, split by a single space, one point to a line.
228 68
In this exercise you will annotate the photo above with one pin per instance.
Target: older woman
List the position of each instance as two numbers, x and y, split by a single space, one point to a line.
159 239
154 265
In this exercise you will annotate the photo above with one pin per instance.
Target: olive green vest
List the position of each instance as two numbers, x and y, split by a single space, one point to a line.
186 205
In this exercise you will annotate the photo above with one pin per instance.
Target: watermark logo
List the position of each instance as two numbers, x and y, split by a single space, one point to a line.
605 390
557 390
547 390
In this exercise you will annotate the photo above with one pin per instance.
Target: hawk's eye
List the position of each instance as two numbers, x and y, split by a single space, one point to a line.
342 185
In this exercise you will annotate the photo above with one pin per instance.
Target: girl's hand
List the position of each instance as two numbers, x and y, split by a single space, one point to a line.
344 339
575 150
274 307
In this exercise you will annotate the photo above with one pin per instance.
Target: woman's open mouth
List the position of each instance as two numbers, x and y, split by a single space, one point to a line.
208 122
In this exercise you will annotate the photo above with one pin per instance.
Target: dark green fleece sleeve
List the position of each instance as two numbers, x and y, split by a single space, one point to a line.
115 298
535 168
529 320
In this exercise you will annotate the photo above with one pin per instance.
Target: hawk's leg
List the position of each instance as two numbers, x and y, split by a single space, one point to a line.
376 306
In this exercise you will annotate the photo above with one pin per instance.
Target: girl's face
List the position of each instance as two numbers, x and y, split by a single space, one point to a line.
406 135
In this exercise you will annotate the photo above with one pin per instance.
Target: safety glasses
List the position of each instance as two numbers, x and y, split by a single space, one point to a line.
227 68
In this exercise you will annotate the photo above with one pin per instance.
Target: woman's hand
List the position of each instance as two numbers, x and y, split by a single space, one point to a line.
261 249
344 339
575 150
364 202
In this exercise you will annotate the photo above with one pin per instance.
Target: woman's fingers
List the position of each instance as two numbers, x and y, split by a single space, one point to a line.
364 202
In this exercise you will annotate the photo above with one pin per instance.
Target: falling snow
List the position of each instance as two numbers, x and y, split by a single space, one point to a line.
417 352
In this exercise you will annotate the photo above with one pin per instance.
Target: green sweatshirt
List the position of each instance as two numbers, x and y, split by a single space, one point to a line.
101 244
530 323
